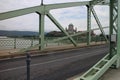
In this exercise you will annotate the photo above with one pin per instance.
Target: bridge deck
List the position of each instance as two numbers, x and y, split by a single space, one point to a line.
58 66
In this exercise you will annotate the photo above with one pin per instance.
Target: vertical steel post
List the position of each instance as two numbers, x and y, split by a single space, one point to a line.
114 29
31 41
15 43
88 24
113 25
118 35
111 28
41 31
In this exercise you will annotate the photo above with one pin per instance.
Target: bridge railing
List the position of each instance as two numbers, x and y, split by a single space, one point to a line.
20 43
43 10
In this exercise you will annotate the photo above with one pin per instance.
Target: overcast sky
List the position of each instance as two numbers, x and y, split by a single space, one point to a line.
75 15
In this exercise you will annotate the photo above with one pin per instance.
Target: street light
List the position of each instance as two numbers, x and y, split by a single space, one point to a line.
41 2
28 60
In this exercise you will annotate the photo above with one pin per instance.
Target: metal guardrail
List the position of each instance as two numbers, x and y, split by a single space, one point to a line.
15 43
20 43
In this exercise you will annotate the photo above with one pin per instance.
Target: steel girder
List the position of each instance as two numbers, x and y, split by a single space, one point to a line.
41 31
97 1
20 12
43 10
100 2
61 28
113 57
118 36
113 26
59 39
99 24
40 9
98 69
89 9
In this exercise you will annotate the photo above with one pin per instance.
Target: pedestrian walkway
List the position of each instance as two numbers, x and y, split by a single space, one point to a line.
111 74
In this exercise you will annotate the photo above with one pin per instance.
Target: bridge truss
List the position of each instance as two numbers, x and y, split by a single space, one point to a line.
111 59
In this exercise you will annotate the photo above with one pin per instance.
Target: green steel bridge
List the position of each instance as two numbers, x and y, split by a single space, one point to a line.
112 59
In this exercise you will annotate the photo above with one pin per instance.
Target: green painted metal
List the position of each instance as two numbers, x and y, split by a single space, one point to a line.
114 30
15 43
40 9
112 58
66 5
99 24
111 45
55 40
99 2
88 24
16 13
118 37
118 33
94 2
60 27
77 34
98 69
41 31
114 16
20 12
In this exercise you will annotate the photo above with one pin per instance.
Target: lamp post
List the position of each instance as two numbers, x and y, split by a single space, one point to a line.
28 60
41 2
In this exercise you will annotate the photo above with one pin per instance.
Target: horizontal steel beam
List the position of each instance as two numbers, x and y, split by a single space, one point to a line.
61 28
66 5
100 2
59 39
98 69
40 9
20 12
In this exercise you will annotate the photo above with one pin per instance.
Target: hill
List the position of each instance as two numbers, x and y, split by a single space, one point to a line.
18 33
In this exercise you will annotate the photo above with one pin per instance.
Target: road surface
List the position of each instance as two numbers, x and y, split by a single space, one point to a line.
55 66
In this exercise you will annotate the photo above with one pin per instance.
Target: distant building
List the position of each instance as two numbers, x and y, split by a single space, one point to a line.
71 29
